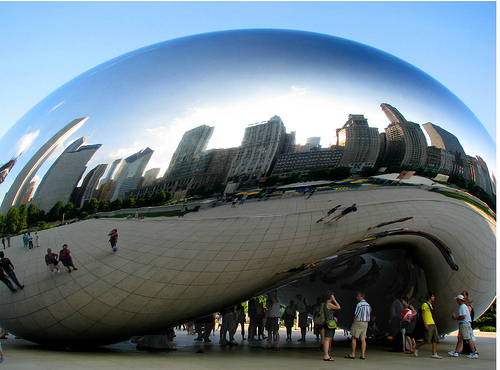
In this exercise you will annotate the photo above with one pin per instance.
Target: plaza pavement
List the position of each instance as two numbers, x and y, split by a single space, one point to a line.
23 355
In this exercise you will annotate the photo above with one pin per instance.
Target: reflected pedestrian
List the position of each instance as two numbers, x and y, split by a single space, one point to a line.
6 281
113 240
66 259
8 268
346 211
289 316
51 261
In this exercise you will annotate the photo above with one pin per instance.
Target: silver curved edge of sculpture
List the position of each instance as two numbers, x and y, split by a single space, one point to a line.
289 125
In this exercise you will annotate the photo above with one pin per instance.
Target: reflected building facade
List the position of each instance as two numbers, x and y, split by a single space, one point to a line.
257 154
19 188
130 172
360 143
63 176
90 185
405 141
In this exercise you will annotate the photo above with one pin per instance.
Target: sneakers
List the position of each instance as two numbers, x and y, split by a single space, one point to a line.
435 355
453 353
415 352
473 355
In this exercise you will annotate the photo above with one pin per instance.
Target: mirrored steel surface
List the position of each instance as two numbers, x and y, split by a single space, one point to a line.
158 118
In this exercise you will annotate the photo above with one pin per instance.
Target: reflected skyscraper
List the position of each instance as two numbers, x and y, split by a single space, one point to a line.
261 144
194 142
130 173
63 176
90 183
440 138
360 142
23 179
405 140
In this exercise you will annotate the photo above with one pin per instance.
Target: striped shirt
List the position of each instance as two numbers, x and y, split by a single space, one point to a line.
363 310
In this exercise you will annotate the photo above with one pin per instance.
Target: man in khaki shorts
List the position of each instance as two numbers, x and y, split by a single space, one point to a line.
360 325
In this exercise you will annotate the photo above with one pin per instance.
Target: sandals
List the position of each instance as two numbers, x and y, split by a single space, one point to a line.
351 357
329 359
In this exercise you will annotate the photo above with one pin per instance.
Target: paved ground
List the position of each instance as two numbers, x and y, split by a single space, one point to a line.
23 355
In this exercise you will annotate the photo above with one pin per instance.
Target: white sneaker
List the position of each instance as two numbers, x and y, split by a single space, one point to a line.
435 355
415 352
453 353
473 355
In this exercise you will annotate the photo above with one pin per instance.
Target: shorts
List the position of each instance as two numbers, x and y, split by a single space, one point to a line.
465 330
52 266
431 335
272 324
329 333
358 329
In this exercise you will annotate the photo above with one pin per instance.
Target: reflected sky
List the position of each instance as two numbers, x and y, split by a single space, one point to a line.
151 96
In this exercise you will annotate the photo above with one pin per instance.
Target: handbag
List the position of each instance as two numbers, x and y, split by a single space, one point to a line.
332 324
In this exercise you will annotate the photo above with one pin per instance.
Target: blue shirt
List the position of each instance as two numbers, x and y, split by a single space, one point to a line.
363 310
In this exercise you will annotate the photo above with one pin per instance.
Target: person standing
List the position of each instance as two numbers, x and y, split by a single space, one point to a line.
240 319
360 326
464 328
431 333
395 321
330 306
289 316
113 240
3 241
30 241
51 261
409 316
272 325
66 259
8 240
37 240
8 268
25 240
303 308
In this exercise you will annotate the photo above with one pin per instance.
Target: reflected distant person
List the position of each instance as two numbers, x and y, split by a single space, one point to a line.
8 240
66 259
30 241
329 213
113 240
8 268
51 261
37 240
360 326
6 281
345 212
3 242
25 240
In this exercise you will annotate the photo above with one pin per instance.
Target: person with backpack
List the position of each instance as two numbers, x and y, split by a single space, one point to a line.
431 333
328 309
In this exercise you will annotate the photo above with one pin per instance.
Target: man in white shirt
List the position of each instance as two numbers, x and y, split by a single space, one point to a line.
464 328
360 326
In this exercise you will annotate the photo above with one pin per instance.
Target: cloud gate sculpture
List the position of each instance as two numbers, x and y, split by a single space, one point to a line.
235 109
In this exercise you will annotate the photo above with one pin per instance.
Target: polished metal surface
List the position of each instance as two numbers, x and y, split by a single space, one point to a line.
131 114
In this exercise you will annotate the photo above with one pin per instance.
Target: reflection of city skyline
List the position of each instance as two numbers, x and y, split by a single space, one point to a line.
266 149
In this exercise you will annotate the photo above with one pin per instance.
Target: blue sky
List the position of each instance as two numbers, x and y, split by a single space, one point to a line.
45 44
